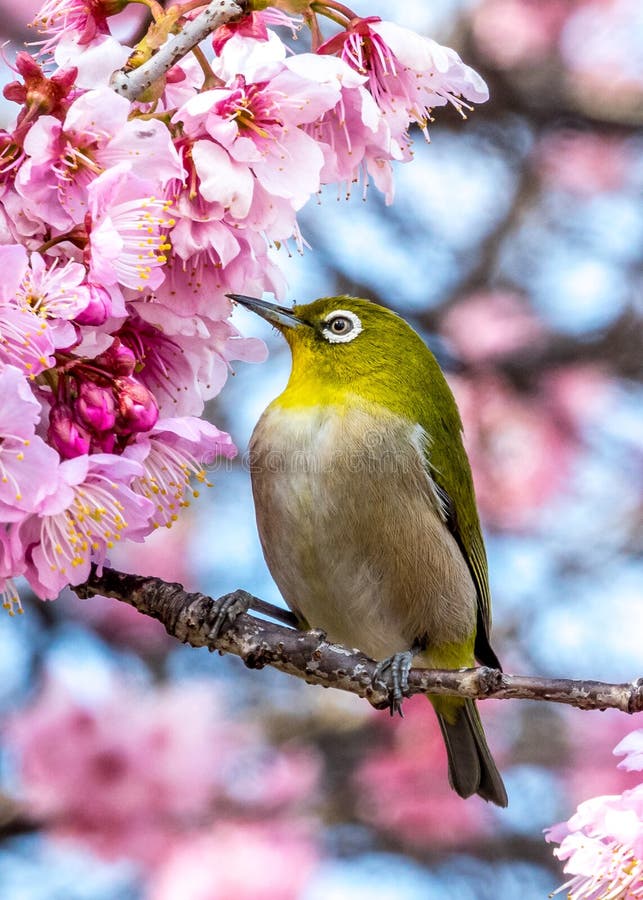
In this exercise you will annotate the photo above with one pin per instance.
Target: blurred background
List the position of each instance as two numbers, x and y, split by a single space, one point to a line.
132 768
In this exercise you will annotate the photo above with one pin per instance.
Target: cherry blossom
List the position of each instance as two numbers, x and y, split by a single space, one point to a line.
172 455
602 843
28 467
128 230
93 507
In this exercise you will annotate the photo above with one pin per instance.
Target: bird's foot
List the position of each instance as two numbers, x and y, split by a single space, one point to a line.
226 610
394 673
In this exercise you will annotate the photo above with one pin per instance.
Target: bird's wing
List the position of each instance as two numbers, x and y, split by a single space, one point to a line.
472 547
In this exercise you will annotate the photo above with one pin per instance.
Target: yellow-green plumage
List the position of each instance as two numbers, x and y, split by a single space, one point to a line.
366 510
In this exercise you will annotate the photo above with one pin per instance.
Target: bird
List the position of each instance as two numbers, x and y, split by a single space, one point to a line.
366 511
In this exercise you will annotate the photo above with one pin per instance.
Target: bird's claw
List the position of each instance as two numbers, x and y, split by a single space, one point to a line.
394 673
226 610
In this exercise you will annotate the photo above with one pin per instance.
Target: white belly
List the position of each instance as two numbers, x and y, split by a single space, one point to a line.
352 531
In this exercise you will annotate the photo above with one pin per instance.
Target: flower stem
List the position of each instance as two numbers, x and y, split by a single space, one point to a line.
155 8
210 80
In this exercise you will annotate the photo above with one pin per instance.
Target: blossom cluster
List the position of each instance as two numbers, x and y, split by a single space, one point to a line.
124 224
602 843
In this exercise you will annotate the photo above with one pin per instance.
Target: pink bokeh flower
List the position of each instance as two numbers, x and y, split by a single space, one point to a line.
406 792
582 163
488 325
512 33
148 759
520 449
247 861
163 767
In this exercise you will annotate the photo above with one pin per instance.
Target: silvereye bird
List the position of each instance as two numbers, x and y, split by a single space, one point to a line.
366 509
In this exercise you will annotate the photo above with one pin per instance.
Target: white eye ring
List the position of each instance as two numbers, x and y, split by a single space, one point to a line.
344 336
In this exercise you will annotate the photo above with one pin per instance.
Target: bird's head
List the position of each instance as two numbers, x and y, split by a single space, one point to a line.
343 345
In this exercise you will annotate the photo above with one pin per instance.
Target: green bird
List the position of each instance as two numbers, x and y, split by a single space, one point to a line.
366 510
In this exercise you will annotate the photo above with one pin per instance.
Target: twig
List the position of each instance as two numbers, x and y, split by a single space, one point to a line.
133 84
308 655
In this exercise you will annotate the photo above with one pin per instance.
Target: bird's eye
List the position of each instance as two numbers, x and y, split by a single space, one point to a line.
341 327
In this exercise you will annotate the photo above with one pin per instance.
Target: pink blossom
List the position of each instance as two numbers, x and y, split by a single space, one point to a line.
173 453
9 598
406 72
25 340
99 306
96 406
83 20
128 230
602 845
631 747
93 507
137 408
192 367
38 93
243 860
258 60
95 62
254 26
28 467
95 135
256 124
51 292
355 137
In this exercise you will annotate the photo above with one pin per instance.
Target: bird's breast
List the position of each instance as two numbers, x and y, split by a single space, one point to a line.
352 530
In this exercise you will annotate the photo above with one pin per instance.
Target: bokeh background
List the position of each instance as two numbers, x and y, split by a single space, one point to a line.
133 768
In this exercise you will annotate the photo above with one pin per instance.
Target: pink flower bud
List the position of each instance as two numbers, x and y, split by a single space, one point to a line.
136 406
118 359
68 437
95 406
103 442
99 306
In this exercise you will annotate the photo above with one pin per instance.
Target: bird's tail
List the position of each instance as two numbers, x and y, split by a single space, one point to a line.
471 766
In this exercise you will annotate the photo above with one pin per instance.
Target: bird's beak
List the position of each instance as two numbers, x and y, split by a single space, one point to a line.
276 315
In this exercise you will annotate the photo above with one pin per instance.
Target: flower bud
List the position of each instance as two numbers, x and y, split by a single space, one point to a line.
99 306
103 442
118 359
95 406
68 437
136 406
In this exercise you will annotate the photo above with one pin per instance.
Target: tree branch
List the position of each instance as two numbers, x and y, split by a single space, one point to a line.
308 655
133 84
